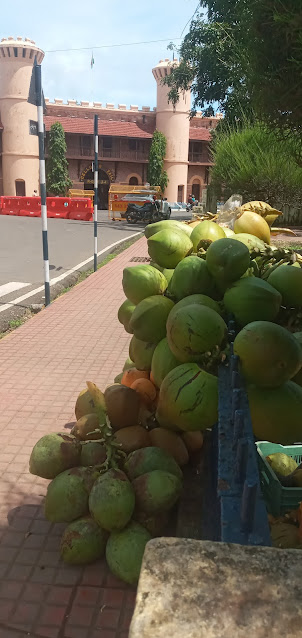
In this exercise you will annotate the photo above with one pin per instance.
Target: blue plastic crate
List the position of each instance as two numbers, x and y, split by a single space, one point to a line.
242 509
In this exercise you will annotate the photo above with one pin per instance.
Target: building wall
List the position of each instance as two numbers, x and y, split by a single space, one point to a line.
19 149
1 177
197 172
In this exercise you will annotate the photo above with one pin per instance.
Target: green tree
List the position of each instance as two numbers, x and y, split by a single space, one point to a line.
253 161
245 56
157 176
58 180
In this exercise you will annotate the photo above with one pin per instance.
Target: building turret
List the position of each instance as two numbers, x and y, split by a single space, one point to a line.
174 123
20 151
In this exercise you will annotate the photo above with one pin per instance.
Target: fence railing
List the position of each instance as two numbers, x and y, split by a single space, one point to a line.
199 158
104 153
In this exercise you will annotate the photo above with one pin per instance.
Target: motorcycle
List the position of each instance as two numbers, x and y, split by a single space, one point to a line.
148 213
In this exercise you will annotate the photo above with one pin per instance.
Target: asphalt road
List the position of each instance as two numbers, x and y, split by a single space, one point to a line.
70 244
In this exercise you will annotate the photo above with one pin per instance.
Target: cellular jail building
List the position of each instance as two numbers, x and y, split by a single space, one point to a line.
125 134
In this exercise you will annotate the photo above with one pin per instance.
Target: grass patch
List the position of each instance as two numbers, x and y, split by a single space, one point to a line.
285 244
16 323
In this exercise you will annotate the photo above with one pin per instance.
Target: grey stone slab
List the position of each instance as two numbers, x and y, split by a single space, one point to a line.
201 589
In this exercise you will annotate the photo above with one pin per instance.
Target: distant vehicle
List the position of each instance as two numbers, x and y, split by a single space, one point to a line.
175 207
138 198
151 211
178 207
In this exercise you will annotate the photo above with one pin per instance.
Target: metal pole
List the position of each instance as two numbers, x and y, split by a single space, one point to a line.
96 180
38 84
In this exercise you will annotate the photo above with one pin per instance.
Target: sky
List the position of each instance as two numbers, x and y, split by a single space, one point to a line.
120 74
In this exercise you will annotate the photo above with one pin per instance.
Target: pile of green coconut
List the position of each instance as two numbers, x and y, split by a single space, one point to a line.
112 502
117 476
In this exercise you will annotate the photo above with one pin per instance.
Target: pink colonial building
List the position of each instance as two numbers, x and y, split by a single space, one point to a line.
124 134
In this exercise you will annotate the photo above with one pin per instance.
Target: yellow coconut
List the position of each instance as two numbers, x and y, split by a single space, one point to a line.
253 224
193 224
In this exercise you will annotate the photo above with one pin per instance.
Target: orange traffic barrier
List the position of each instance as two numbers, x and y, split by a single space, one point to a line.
58 207
10 205
84 216
62 207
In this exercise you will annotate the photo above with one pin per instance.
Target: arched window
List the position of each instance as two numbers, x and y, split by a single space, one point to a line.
133 181
20 187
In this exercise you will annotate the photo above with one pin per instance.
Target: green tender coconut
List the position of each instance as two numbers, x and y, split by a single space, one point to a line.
228 231
156 524
68 493
112 500
288 282
252 299
250 241
167 224
202 300
169 247
206 230
156 491
124 313
168 272
227 260
142 281
191 276
188 398
276 413
83 542
194 330
163 361
128 364
53 454
141 353
93 453
298 377
125 550
148 321
149 459
269 354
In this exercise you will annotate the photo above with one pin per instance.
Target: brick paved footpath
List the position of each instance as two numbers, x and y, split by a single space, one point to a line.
44 365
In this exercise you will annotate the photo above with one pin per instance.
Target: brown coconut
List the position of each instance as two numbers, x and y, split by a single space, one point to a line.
84 426
85 404
132 438
193 441
122 405
171 443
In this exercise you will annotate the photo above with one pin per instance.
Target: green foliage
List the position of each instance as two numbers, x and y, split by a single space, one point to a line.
247 57
157 176
254 161
58 181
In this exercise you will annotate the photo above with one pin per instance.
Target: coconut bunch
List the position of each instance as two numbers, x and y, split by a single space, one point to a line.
173 296
113 487
197 277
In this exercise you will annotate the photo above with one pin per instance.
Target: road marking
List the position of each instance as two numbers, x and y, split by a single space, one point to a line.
54 281
6 289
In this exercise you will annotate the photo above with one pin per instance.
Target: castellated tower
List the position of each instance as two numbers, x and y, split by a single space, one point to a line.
20 152
174 123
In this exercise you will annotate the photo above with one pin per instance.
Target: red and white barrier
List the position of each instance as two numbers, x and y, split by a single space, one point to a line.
61 207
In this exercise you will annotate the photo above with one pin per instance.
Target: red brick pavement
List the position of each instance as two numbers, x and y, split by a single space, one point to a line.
43 366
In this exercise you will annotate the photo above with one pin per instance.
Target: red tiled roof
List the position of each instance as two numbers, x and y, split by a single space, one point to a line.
200 133
117 129
106 127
